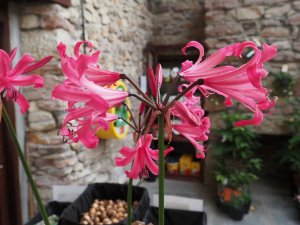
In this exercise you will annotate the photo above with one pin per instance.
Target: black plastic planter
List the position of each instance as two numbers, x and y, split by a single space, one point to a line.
52 208
176 217
72 214
236 214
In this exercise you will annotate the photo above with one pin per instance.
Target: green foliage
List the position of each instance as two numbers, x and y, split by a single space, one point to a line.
283 84
239 202
235 164
290 155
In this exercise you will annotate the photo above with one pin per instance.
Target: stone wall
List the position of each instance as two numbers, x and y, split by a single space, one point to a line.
177 22
271 21
120 29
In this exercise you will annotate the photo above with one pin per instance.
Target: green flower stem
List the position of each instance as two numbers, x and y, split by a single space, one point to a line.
161 161
25 166
129 201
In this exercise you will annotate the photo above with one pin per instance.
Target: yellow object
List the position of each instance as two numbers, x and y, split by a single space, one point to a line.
195 168
117 129
185 164
173 167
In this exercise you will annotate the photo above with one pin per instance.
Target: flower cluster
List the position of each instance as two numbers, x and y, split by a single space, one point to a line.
88 98
87 91
15 76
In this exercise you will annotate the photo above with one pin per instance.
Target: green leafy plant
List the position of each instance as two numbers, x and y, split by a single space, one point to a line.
235 163
290 156
239 202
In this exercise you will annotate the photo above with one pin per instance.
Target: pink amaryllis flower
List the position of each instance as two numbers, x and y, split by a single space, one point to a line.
242 84
82 124
10 76
193 125
75 70
142 157
87 65
88 101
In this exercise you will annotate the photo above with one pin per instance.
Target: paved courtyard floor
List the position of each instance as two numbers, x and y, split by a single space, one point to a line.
271 202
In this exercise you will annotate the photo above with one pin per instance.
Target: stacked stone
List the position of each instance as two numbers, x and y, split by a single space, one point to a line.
177 22
120 30
271 21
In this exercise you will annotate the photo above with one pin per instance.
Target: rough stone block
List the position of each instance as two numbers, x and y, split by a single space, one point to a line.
263 2
52 105
56 21
42 126
294 19
278 11
275 32
105 20
48 149
39 116
284 44
296 5
287 56
221 4
40 42
29 22
296 46
250 13
46 138
215 15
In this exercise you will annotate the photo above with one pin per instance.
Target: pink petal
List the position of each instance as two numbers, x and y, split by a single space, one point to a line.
87 138
196 45
12 54
152 166
127 152
101 77
78 45
21 65
186 65
22 102
61 48
152 83
84 61
256 120
4 63
159 75
78 113
268 52
37 65
27 80
142 108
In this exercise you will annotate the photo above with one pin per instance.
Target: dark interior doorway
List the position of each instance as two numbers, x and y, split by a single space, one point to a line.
10 211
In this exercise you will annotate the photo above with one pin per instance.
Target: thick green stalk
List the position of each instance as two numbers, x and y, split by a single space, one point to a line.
25 166
161 163
129 201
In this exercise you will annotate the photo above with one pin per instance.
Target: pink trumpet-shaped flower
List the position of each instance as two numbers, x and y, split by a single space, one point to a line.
15 76
75 70
89 64
88 102
81 124
194 125
142 156
242 84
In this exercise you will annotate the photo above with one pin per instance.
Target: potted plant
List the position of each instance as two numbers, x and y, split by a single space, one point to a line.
290 155
235 165
235 202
